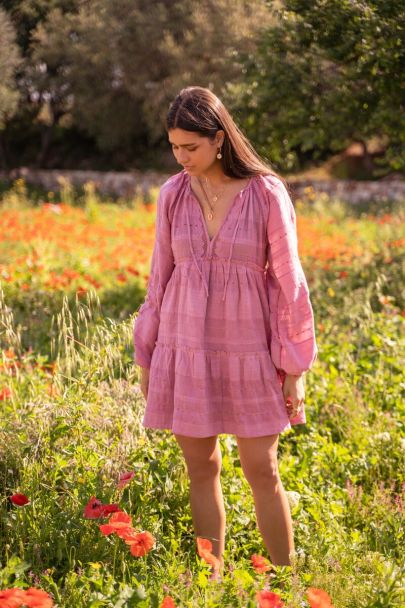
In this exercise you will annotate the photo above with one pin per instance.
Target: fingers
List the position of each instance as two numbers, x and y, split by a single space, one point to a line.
294 407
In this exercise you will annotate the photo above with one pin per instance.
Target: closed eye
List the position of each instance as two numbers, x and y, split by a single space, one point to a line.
189 149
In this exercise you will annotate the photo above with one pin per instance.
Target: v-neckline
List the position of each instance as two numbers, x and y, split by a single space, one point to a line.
234 201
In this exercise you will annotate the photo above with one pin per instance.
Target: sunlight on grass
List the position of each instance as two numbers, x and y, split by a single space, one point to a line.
72 275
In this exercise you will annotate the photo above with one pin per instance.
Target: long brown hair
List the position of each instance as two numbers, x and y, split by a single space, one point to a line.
199 110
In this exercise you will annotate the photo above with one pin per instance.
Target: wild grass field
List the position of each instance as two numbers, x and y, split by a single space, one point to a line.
73 272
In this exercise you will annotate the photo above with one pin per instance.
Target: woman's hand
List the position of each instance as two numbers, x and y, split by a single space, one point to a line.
294 394
145 381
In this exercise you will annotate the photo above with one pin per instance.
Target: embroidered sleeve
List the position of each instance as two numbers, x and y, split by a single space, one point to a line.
293 343
146 324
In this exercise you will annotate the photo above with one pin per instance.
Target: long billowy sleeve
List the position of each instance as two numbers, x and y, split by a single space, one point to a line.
293 345
146 324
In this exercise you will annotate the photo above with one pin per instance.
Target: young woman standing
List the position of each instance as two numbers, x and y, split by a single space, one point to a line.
226 331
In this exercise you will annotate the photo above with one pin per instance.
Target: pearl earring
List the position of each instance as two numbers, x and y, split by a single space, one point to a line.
219 155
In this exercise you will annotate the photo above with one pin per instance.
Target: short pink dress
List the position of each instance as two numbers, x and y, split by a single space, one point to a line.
224 319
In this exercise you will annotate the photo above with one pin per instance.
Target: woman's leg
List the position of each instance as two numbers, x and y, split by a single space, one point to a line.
203 459
258 456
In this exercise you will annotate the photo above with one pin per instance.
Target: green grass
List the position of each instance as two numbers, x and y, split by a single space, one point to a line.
68 435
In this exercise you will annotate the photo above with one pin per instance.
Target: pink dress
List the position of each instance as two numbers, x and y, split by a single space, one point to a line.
224 318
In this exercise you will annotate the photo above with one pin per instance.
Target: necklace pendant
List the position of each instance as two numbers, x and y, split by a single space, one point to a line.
215 198
210 216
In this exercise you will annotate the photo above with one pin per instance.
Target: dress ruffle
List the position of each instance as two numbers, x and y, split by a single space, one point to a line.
235 393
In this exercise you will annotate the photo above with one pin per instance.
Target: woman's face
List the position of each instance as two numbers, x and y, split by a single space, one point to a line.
193 151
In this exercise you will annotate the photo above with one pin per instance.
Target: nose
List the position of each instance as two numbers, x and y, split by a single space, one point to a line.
182 158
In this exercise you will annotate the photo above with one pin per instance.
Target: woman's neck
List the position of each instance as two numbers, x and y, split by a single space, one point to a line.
215 175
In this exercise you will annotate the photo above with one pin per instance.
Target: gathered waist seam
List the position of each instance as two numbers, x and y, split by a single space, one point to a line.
210 350
251 265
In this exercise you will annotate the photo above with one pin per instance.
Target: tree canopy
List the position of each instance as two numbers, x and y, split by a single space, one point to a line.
304 80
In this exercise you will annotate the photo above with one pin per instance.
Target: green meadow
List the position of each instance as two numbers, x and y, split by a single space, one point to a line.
71 411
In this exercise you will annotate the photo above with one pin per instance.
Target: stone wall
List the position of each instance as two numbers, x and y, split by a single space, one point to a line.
126 184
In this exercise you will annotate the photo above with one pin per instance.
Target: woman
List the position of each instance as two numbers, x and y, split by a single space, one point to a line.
226 331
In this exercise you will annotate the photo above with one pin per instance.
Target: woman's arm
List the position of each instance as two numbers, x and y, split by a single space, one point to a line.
146 325
293 342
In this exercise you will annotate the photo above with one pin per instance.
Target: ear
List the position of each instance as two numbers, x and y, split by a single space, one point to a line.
219 137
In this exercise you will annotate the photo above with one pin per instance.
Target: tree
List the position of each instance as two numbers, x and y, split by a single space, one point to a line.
327 73
9 61
111 68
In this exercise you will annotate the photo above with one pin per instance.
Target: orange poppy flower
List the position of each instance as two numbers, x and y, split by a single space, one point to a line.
31 598
269 599
37 598
119 521
318 598
140 543
168 602
260 563
204 547
12 598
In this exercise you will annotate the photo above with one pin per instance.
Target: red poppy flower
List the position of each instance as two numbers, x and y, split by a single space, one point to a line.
260 563
168 602
268 599
118 521
108 509
5 393
19 499
125 478
318 598
141 543
37 598
95 509
11 598
31 598
204 547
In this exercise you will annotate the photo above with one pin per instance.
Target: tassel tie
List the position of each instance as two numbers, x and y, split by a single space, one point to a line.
228 259
194 256
231 249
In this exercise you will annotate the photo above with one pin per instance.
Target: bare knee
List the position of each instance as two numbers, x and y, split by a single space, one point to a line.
202 456
258 458
262 473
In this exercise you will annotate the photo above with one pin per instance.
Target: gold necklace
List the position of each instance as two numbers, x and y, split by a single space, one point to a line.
210 215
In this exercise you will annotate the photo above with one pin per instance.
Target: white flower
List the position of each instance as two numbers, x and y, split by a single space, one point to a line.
384 436
293 498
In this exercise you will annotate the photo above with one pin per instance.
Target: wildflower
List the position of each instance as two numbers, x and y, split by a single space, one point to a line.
36 598
32 598
5 393
108 509
125 478
268 599
95 509
19 499
260 563
140 543
205 552
81 291
318 598
11 598
168 602
293 498
118 522
384 437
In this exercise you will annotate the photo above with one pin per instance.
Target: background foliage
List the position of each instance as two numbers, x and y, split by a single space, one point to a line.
302 79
